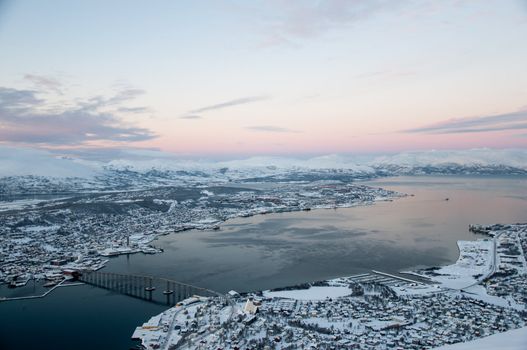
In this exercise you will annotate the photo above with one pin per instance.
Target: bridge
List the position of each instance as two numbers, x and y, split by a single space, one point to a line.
154 289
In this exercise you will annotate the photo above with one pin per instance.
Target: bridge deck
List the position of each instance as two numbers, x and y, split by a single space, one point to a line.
153 289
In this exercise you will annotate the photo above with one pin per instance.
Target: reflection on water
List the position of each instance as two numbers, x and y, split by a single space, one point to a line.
281 249
80 317
275 250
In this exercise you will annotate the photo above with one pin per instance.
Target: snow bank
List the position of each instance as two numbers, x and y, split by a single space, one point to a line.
313 293
511 340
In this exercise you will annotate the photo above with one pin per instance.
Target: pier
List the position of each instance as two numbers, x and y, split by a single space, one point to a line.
394 276
61 284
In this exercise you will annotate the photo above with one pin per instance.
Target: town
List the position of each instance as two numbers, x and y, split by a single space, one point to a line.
483 293
44 239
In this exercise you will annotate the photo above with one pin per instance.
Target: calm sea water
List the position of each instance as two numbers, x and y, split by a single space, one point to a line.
276 250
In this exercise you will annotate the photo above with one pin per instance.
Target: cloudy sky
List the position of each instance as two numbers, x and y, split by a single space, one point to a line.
264 77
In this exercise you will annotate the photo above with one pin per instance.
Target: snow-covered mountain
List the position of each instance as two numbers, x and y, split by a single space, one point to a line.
474 161
38 171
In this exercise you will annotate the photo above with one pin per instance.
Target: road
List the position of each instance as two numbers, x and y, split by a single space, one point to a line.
493 264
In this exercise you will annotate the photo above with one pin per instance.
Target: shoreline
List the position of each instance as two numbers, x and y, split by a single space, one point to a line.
147 248
281 311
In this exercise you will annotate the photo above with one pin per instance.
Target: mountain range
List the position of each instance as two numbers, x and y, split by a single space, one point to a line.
25 170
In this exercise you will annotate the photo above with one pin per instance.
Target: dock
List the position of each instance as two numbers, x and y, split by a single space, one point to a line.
60 284
394 276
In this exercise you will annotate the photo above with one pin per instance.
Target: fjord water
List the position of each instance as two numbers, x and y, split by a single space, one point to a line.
268 251
275 250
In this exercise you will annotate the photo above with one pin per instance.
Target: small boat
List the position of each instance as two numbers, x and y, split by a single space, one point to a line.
168 292
150 289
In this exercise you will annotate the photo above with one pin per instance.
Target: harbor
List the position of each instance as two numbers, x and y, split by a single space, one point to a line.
249 254
63 283
368 311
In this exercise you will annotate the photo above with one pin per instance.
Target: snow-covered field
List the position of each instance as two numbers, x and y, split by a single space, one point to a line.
475 261
313 293
511 340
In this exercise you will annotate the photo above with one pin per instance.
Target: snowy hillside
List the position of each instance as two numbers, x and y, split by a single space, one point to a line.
37 171
475 161
511 340
482 156
470 159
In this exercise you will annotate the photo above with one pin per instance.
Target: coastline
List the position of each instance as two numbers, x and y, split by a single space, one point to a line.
144 242
405 209
431 302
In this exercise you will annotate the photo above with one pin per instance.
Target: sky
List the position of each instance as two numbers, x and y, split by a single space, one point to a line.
276 77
